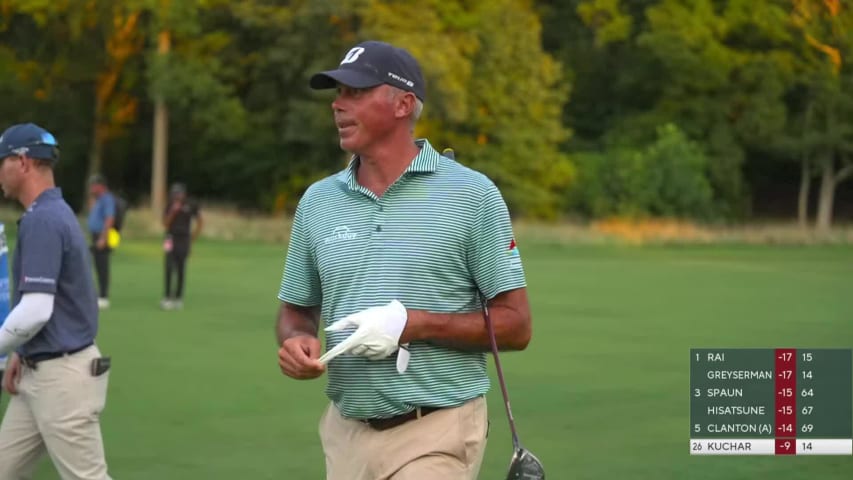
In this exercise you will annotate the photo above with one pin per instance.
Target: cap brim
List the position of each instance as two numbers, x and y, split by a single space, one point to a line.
350 78
44 152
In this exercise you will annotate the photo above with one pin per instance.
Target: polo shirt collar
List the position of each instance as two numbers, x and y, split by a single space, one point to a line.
427 159
54 193
425 162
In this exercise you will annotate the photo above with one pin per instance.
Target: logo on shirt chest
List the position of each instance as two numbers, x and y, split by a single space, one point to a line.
340 234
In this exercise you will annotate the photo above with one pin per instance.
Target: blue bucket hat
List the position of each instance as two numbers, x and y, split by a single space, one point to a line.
31 140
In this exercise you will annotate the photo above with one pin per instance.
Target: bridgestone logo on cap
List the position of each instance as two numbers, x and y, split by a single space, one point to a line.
352 55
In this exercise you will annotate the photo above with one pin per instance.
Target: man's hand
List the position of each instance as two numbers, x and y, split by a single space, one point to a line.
12 375
101 243
298 356
377 333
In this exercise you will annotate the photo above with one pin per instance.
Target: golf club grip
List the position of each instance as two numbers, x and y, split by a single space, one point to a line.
494 343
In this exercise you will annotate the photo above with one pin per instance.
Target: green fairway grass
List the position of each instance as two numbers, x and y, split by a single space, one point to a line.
601 393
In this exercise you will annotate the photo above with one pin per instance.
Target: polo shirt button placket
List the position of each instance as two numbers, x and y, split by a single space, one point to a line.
379 218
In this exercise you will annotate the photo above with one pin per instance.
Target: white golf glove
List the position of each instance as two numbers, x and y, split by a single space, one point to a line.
377 334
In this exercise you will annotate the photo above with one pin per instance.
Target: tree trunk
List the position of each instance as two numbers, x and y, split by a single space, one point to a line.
803 201
96 154
827 195
96 149
121 45
160 153
806 173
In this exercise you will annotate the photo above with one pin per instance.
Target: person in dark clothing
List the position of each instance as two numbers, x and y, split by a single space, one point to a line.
101 219
180 233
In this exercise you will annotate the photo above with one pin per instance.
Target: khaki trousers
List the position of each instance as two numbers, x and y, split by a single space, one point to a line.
447 444
57 410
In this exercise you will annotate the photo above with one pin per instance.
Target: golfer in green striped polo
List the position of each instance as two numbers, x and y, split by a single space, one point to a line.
388 257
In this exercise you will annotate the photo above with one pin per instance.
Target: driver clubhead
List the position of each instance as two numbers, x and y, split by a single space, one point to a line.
525 466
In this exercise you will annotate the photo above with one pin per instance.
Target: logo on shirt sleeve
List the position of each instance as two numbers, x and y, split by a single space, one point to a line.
42 280
514 255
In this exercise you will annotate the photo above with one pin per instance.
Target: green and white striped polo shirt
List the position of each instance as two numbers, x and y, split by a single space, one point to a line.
437 234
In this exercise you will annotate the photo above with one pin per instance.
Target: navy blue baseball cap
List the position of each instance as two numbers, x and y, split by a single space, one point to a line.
373 63
31 140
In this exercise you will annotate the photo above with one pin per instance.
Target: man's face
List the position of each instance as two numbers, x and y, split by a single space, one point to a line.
96 189
364 116
11 173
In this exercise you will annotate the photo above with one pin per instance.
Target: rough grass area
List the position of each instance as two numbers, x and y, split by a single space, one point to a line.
230 224
225 223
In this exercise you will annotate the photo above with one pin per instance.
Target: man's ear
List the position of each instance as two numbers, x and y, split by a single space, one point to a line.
27 163
404 105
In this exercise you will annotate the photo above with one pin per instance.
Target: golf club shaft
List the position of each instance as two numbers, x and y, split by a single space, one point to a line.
449 153
494 343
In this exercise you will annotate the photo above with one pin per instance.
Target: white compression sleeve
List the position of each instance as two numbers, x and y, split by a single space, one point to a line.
25 320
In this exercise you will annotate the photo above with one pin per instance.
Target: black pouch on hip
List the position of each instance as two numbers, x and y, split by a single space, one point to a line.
100 366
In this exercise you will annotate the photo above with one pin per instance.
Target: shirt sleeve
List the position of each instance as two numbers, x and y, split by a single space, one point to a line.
300 283
41 245
109 206
493 256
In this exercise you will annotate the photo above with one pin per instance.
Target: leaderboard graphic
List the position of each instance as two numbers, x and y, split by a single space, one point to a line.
784 401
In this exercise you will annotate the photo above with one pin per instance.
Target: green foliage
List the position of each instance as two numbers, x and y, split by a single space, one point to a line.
280 135
192 83
666 178
610 23
494 95
57 54
515 86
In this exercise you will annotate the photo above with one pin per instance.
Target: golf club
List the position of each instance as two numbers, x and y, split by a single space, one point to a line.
523 465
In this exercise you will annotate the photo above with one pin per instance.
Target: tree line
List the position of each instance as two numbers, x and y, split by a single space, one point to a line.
591 108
